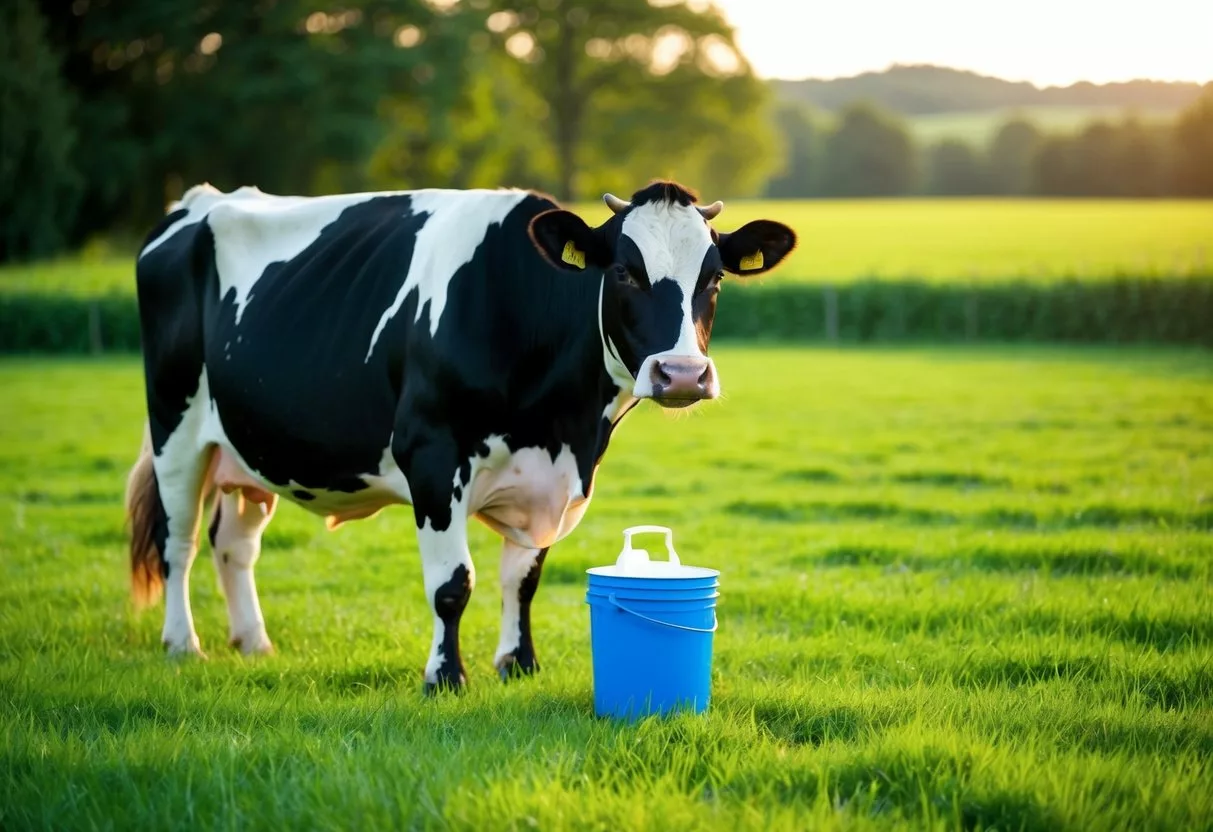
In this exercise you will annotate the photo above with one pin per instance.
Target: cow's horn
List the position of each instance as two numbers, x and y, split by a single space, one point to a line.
615 203
711 211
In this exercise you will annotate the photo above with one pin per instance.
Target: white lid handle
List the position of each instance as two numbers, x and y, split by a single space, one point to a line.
669 539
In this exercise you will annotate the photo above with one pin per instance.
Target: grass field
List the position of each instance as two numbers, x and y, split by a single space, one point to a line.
978 127
964 590
845 240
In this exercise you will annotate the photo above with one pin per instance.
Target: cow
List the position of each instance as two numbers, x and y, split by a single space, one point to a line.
466 353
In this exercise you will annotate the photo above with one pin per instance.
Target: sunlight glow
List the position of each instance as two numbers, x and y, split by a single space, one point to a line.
1045 42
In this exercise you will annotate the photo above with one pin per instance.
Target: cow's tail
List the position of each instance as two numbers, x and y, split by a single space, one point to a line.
144 514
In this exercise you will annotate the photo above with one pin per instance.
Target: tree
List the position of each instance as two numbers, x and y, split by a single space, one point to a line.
954 169
637 89
266 93
39 186
797 177
870 153
1009 160
1054 169
1142 166
1193 141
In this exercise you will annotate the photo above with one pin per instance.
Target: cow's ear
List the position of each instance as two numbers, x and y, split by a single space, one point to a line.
756 247
567 242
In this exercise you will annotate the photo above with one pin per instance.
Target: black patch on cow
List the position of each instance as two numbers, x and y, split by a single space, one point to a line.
450 600
291 383
518 356
663 191
458 492
303 495
629 262
523 661
170 281
650 322
212 531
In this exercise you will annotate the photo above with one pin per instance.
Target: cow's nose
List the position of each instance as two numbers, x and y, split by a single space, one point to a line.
683 380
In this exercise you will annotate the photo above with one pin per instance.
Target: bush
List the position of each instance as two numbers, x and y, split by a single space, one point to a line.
1125 310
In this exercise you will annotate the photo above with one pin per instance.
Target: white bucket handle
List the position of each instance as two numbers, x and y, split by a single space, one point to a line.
622 608
669 539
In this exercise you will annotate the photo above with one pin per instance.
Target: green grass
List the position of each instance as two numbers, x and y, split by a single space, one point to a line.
960 589
939 239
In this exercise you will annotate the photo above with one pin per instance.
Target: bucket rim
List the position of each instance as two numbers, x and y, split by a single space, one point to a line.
684 573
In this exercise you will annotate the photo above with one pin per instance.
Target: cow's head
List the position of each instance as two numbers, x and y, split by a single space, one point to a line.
662 263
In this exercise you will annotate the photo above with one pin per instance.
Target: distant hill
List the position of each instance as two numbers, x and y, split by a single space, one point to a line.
923 90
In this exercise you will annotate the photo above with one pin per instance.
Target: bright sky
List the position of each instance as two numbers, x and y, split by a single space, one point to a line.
1046 42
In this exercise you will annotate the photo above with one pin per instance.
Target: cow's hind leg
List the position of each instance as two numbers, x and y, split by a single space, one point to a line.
181 473
520 571
235 534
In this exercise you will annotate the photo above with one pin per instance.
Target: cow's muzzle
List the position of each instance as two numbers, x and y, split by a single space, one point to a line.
677 380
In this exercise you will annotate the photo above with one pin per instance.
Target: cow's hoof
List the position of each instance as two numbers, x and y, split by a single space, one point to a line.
453 683
188 648
511 666
253 644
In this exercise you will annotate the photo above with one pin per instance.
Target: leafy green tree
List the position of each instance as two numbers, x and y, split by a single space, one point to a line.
39 186
954 168
799 173
1142 166
1054 169
268 93
1194 147
636 89
870 153
1009 159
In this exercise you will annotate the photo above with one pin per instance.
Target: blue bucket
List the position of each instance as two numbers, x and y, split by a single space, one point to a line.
651 631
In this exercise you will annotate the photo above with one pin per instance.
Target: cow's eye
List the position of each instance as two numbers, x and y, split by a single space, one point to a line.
629 278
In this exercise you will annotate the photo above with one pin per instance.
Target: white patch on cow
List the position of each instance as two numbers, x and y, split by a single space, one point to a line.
237 546
200 199
252 233
181 468
526 496
616 369
673 240
453 231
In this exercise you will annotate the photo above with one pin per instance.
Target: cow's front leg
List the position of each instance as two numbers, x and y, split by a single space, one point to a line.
449 578
520 570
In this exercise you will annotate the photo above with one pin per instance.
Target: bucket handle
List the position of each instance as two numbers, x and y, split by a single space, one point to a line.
669 539
621 607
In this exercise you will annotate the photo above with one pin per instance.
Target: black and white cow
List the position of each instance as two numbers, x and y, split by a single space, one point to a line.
467 353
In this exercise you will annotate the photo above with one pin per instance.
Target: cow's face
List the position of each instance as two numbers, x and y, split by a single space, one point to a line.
662 265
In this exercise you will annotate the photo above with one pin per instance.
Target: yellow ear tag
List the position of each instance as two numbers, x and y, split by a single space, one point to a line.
572 256
754 261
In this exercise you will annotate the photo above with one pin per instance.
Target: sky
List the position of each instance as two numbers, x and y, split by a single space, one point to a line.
1045 42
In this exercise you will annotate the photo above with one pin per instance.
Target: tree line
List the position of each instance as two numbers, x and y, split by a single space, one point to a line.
866 151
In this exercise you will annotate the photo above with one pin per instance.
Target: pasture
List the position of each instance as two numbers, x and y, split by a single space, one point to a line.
960 589
843 240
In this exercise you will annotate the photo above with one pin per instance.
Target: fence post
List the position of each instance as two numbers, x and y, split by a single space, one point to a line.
830 295
94 328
